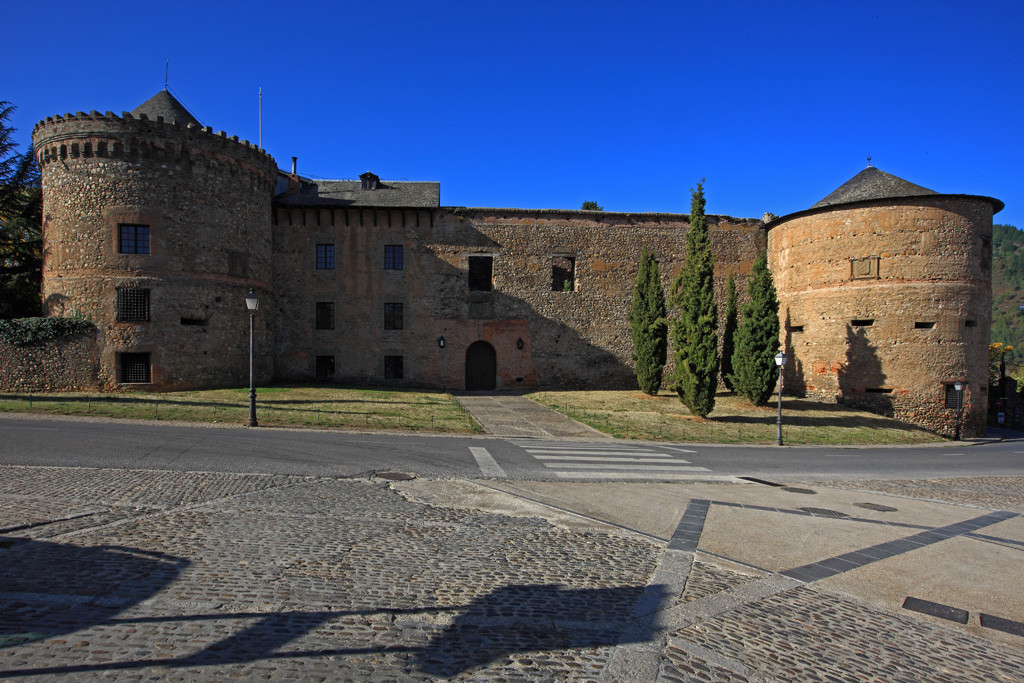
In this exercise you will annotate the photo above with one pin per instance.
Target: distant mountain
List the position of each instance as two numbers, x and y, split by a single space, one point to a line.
1008 287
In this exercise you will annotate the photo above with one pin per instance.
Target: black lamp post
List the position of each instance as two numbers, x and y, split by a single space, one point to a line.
780 360
959 386
252 302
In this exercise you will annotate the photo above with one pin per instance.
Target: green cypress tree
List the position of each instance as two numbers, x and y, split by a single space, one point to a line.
694 332
729 333
757 339
648 325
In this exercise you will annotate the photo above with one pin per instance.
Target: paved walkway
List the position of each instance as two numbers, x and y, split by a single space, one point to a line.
514 415
131 575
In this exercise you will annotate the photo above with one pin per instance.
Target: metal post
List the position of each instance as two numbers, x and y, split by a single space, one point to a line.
252 377
778 431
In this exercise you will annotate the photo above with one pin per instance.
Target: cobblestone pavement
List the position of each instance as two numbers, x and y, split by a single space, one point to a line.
1000 493
145 575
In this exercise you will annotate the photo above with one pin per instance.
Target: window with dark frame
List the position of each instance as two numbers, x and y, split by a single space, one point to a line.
135 368
864 322
325 368
132 305
133 239
325 315
954 398
325 257
563 274
394 367
393 314
481 270
392 257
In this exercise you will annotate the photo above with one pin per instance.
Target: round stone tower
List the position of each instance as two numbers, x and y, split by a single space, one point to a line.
155 228
885 292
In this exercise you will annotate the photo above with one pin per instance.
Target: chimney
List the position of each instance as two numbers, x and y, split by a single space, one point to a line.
295 165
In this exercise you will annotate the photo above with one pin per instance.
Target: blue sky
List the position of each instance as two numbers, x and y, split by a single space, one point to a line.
548 104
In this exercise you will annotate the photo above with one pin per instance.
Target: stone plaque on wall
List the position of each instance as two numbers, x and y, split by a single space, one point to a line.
864 268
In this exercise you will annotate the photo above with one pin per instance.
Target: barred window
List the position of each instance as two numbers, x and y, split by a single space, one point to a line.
325 315
132 305
954 398
325 257
393 316
133 239
392 257
394 367
480 272
135 368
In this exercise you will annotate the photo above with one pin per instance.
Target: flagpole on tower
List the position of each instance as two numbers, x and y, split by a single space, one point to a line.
260 144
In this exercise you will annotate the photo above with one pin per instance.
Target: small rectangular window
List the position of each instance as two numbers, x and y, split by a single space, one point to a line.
394 367
923 325
563 274
199 322
392 257
954 398
132 305
135 368
325 368
238 263
877 390
133 239
325 315
796 328
970 323
325 257
393 313
864 322
480 273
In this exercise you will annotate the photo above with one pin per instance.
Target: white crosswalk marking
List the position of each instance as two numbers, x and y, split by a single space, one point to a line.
614 461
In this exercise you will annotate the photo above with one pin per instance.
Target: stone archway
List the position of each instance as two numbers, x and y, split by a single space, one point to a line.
481 367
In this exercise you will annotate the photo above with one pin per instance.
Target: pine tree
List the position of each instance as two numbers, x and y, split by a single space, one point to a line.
757 340
694 332
729 333
648 325
21 222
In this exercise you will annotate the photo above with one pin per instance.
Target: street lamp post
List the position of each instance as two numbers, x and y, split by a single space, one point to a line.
780 360
959 386
252 302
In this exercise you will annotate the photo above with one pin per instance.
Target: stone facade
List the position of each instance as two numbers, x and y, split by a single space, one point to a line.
885 286
62 364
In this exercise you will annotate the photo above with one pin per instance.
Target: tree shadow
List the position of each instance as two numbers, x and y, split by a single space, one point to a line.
793 381
861 380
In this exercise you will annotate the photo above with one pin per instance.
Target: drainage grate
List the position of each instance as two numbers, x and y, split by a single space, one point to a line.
876 507
797 489
824 512
394 476
936 609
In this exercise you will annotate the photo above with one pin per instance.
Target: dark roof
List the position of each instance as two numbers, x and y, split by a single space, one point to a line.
872 183
397 194
163 104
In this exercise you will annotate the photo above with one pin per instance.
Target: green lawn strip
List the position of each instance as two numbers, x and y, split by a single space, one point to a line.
635 415
296 405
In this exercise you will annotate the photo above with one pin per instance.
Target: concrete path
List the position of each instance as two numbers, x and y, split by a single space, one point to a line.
129 575
514 415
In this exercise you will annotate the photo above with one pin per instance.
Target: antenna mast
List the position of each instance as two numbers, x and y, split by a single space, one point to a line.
167 66
261 119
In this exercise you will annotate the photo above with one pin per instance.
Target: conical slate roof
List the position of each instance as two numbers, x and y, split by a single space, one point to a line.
163 104
872 183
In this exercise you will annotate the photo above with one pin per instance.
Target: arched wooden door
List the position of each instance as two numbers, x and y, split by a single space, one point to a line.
481 367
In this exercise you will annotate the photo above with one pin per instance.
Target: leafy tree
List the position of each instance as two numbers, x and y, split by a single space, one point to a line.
757 339
20 226
729 333
694 331
648 325
591 206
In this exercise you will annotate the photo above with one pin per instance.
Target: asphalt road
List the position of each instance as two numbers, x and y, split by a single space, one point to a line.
146 445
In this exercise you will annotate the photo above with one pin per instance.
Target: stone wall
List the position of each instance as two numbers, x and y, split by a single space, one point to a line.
205 199
63 364
884 304
576 337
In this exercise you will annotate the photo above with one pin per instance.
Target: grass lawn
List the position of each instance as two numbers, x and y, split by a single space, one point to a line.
285 406
635 415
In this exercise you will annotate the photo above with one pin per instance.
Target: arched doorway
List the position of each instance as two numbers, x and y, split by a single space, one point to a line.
481 367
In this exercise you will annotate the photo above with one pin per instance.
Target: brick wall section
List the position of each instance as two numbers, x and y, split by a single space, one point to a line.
577 338
206 199
920 271
64 364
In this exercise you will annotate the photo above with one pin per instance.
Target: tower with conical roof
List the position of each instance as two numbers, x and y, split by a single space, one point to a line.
885 293
155 227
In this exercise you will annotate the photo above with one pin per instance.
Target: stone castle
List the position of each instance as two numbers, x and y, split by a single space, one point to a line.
155 227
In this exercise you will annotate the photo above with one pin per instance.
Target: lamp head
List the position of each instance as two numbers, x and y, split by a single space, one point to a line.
252 302
780 359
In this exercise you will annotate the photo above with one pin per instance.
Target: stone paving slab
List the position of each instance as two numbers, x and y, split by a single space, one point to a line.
514 415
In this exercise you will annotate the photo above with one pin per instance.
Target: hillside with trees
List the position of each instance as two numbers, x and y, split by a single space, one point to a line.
1008 286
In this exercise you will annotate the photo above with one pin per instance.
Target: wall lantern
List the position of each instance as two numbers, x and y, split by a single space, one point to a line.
440 342
520 343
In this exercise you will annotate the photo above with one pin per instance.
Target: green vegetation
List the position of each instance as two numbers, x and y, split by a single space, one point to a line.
648 325
25 331
21 221
694 331
279 406
1008 287
757 340
591 206
635 415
